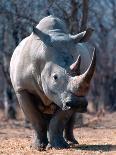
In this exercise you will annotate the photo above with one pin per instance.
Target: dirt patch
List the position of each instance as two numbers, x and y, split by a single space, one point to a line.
98 138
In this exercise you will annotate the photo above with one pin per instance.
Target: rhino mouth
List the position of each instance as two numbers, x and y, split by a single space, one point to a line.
79 105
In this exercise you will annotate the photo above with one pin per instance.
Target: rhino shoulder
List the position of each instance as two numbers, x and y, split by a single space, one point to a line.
20 65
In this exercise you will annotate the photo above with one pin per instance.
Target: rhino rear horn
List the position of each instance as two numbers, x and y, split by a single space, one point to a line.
75 67
42 36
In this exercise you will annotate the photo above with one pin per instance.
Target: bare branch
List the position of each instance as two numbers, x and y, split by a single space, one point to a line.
6 12
6 74
84 15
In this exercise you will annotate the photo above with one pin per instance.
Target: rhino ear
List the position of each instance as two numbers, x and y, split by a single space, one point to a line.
83 36
43 36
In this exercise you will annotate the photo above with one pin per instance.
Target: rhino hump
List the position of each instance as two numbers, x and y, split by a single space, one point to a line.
51 23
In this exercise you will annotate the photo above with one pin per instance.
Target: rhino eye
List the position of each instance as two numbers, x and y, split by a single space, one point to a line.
55 77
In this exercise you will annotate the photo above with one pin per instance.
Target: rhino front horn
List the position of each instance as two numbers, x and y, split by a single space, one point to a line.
80 84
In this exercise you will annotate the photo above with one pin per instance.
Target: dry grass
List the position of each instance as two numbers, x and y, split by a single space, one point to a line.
97 139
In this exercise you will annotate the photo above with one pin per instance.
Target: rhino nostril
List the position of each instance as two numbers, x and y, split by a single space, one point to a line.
72 104
66 107
68 103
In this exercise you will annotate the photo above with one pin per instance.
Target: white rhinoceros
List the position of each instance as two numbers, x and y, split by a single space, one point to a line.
49 81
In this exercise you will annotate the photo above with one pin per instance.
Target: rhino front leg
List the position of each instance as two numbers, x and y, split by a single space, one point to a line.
68 132
81 107
56 127
35 117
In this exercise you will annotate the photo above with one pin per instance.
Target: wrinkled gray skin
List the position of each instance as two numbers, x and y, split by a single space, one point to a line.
41 76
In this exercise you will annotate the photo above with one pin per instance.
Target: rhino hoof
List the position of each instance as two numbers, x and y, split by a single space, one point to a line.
71 140
60 145
49 146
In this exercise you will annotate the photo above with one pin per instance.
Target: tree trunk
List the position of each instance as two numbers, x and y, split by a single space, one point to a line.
9 104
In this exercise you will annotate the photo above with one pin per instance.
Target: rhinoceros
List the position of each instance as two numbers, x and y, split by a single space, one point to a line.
51 71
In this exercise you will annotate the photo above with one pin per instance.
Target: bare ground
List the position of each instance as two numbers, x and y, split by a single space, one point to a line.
96 138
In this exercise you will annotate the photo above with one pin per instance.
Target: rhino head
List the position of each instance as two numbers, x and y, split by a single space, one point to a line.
60 78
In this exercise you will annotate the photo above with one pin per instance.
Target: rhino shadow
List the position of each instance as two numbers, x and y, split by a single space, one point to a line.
105 148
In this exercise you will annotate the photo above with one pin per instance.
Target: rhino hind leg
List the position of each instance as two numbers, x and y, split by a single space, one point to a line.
56 128
35 117
68 132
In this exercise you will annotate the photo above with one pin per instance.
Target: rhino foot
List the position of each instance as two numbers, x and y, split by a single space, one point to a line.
39 143
59 143
49 146
71 140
